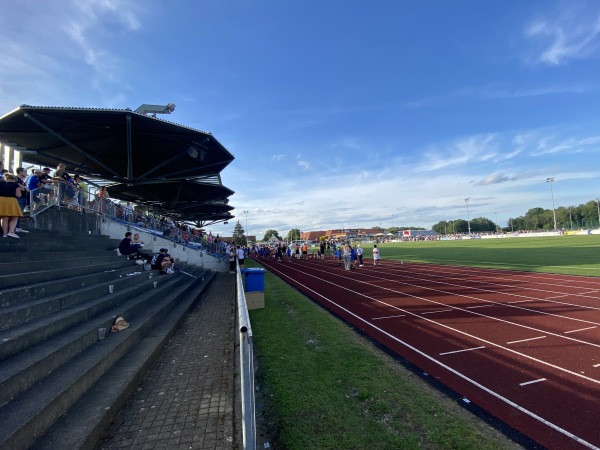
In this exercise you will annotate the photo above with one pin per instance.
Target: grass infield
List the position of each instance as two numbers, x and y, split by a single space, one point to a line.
572 255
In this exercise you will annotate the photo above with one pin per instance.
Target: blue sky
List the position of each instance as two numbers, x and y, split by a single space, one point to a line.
340 113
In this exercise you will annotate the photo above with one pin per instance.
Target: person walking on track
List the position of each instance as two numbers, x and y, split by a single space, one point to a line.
376 256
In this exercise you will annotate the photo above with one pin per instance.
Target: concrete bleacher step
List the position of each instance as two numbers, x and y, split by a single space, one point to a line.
47 274
23 293
62 263
42 257
18 338
60 244
23 308
98 407
79 359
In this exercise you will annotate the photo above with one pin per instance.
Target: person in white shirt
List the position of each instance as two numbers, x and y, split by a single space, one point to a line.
376 256
240 256
359 253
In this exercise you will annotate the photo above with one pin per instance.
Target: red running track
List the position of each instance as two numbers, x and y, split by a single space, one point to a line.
523 346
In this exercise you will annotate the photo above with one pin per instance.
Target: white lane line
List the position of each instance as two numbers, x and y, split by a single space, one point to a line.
525 340
531 382
556 296
463 350
388 317
435 312
446 367
596 365
519 301
479 306
581 329
593 291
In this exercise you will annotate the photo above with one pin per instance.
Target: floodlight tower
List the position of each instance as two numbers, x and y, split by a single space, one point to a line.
467 200
550 180
246 213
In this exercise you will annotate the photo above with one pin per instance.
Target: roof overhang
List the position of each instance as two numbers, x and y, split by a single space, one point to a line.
145 160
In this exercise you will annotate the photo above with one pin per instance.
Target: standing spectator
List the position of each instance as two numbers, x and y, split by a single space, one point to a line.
70 195
102 198
47 185
9 206
359 253
23 199
353 257
304 250
347 256
231 260
83 190
128 212
240 256
376 255
58 178
34 183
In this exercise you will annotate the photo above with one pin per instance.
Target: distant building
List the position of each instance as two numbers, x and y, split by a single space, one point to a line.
415 233
341 234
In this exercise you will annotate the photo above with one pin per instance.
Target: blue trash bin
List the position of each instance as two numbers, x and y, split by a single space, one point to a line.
255 279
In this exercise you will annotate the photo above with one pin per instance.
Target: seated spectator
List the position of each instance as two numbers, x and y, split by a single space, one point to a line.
163 261
137 241
132 251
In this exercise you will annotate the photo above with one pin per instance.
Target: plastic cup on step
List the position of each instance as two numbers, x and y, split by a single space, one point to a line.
155 283
101 334
111 288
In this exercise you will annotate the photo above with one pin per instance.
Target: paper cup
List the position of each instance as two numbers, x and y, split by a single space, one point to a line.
101 333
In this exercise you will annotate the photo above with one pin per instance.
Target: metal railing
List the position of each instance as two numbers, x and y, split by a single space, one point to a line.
55 194
246 368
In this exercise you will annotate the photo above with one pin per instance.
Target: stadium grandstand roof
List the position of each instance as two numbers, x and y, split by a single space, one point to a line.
130 151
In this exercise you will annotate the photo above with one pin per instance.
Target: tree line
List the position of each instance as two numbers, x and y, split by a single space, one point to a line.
586 215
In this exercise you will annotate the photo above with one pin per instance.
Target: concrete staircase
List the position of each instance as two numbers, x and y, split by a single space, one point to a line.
60 385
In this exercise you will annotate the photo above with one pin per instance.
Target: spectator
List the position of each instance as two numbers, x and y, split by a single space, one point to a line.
231 260
347 256
23 199
240 256
137 241
163 261
9 207
102 199
34 183
131 251
376 256
83 190
359 253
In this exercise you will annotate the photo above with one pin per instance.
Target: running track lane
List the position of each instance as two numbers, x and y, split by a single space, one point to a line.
523 346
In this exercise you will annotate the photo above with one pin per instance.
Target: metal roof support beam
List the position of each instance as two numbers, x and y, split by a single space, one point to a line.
177 156
69 143
129 150
164 163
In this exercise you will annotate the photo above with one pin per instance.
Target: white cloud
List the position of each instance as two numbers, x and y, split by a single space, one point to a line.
570 34
460 152
495 91
50 50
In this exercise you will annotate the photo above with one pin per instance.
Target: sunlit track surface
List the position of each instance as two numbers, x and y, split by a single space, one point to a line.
523 346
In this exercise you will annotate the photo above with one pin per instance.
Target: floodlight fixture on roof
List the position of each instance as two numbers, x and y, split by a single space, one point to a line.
146 109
